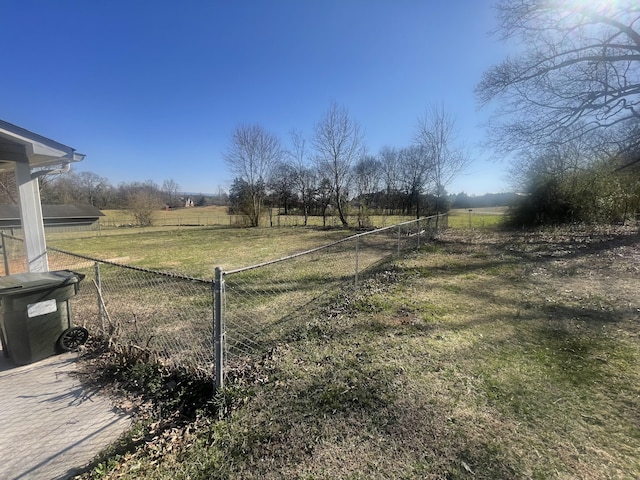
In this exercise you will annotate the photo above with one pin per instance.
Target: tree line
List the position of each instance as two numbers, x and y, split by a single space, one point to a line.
332 172
141 198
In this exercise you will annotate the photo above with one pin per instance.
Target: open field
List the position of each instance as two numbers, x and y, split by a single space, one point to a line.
484 355
477 218
197 251
218 216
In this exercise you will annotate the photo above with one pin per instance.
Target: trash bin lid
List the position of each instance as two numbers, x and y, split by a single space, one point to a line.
31 281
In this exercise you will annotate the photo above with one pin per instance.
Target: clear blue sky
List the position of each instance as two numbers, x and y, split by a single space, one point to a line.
153 89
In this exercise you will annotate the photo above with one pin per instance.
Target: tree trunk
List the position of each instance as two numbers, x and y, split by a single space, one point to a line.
340 210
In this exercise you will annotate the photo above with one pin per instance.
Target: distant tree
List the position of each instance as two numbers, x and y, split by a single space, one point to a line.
126 191
76 188
220 199
391 175
251 155
241 196
367 173
575 76
143 205
92 188
324 195
201 201
63 189
414 170
461 200
338 144
281 184
304 177
436 138
8 188
171 193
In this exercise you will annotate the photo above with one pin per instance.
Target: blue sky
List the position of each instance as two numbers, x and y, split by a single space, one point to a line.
154 89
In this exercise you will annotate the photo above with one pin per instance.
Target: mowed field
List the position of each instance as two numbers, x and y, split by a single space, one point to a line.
197 251
477 218
485 354
180 241
218 216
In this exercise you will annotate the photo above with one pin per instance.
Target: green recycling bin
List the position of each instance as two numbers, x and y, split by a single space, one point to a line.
35 316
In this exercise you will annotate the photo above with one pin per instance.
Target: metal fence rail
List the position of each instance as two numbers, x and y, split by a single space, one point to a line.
210 325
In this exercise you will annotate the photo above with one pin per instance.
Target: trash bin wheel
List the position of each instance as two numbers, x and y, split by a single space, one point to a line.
72 338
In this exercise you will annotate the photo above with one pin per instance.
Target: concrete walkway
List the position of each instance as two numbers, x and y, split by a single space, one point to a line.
50 426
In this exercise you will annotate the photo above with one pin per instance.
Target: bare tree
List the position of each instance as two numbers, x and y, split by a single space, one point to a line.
76 187
323 197
252 154
143 204
305 178
281 186
170 192
367 174
8 189
390 170
91 187
446 160
560 159
61 189
577 75
414 168
338 144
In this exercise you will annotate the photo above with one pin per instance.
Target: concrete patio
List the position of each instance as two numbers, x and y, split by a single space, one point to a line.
50 425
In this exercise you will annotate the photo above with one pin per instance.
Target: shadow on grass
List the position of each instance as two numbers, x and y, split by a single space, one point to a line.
357 399
544 247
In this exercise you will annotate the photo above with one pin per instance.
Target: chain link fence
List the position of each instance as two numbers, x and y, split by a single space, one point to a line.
258 304
13 254
151 314
210 326
146 313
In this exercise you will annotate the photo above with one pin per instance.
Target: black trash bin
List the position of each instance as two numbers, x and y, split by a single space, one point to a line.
35 316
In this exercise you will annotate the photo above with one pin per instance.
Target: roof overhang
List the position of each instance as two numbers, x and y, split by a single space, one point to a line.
19 145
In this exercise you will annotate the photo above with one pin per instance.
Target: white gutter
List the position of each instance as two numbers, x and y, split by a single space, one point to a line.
64 168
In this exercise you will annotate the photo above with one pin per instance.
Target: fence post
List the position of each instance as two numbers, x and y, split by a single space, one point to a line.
357 258
4 256
96 266
419 232
399 233
218 353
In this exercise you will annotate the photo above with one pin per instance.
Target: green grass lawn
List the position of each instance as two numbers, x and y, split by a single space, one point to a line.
484 355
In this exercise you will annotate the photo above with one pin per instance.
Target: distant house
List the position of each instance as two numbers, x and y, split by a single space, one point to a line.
63 217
